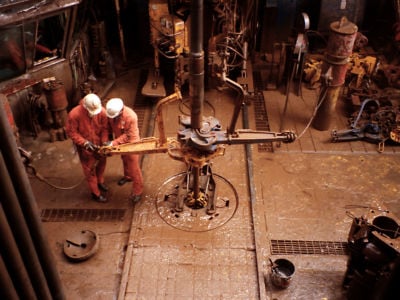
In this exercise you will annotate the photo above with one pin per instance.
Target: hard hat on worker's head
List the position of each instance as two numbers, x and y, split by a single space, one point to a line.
114 107
92 103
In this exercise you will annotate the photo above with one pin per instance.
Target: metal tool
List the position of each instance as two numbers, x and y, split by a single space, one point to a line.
374 123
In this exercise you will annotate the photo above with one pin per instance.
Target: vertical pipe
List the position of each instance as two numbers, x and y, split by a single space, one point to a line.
14 263
340 46
196 182
8 290
28 205
21 234
238 103
196 79
120 30
69 34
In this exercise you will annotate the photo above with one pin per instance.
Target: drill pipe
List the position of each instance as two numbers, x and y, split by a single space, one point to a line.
196 77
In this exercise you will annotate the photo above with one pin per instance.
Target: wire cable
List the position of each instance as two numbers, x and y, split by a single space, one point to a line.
314 114
37 175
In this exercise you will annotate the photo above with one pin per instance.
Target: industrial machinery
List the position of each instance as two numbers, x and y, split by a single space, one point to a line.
373 267
227 37
199 138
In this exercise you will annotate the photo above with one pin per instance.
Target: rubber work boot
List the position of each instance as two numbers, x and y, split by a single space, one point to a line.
124 180
135 198
99 198
102 187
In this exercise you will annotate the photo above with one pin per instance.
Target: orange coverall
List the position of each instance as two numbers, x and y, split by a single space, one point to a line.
80 128
125 130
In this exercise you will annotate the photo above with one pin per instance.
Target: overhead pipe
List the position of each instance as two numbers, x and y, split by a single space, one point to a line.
28 205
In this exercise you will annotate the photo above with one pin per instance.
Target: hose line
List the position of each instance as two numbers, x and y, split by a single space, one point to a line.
37 175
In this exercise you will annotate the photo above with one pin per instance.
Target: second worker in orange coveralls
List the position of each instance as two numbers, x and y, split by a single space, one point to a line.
123 122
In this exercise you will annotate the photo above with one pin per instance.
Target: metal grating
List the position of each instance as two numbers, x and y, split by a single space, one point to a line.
260 111
308 247
82 215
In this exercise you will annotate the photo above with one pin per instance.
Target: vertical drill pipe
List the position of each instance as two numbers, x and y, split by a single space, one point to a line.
8 291
24 247
28 204
13 261
196 78
340 46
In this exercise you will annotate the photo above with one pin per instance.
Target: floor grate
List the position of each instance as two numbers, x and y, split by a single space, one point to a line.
83 215
308 247
260 111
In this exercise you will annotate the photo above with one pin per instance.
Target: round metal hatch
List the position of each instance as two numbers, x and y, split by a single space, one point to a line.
196 219
81 245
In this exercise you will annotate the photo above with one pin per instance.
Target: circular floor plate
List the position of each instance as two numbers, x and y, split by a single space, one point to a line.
81 245
197 220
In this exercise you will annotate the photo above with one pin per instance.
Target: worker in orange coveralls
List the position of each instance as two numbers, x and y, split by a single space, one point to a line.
88 129
123 124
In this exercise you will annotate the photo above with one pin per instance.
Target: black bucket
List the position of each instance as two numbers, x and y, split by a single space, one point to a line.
282 271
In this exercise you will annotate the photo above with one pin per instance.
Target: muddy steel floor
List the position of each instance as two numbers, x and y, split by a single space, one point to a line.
289 196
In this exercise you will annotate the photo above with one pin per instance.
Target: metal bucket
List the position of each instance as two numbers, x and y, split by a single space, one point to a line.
282 271
387 226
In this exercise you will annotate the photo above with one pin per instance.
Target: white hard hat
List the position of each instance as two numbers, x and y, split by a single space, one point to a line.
114 107
92 103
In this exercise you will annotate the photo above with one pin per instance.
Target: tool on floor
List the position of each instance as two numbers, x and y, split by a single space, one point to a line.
374 123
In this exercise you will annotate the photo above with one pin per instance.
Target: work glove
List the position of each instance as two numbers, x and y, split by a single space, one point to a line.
90 146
